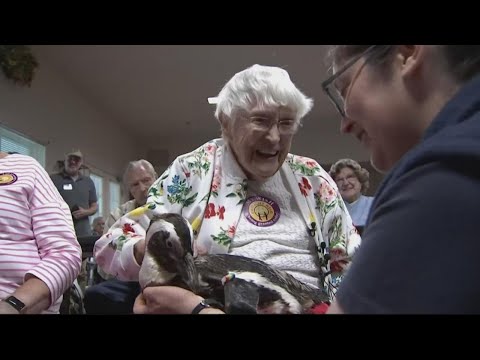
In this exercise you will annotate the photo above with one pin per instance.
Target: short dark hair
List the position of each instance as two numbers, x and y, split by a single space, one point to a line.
462 61
341 53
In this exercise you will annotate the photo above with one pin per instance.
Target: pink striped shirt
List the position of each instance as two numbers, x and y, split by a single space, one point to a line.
36 230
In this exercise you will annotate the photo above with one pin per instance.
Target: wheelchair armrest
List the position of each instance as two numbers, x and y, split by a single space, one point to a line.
87 243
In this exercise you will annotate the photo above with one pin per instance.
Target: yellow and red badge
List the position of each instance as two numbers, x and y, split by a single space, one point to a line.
261 211
7 178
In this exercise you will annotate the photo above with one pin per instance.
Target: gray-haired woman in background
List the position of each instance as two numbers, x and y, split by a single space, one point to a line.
353 182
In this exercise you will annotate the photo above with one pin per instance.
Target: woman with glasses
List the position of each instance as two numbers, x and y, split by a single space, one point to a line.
245 195
417 110
353 182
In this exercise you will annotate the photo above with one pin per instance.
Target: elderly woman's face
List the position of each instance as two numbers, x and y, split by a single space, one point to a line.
99 226
261 139
139 181
348 184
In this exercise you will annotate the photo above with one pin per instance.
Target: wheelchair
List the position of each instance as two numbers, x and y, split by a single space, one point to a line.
72 303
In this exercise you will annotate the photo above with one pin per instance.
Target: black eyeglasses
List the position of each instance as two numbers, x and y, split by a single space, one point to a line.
328 85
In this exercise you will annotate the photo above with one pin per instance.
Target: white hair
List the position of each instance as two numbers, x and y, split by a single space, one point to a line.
132 165
263 86
96 221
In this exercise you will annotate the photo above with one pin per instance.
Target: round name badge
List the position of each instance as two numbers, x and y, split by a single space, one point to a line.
261 211
7 178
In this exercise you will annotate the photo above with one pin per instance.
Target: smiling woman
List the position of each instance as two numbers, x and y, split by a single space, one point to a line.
416 108
246 194
353 182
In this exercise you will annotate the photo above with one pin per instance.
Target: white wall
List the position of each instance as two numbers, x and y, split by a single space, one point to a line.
53 113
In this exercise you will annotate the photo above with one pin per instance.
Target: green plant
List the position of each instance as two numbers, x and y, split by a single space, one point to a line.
18 63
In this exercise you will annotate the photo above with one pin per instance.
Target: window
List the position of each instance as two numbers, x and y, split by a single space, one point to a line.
98 181
11 141
108 194
114 188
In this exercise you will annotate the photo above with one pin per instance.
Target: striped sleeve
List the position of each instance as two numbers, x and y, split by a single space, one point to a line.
55 236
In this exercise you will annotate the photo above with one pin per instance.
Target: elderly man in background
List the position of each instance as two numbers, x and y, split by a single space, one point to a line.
114 296
78 191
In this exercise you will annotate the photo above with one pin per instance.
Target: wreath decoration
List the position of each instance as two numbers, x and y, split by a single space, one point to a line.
18 63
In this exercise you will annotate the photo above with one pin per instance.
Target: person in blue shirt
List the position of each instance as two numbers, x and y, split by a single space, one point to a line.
416 108
353 182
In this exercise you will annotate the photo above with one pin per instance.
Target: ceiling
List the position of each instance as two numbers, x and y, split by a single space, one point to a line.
160 91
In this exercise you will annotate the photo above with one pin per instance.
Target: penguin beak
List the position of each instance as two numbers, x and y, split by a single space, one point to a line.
188 272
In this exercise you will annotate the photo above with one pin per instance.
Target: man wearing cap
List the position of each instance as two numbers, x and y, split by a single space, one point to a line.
78 191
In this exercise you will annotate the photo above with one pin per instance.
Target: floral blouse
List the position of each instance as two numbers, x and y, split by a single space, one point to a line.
197 186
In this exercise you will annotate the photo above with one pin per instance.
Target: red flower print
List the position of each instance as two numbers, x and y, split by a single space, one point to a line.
221 211
306 183
127 228
338 266
338 261
304 186
327 193
210 211
231 231
311 163
216 180
302 189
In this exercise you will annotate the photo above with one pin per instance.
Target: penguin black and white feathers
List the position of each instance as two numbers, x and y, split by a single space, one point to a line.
168 252
243 285
252 286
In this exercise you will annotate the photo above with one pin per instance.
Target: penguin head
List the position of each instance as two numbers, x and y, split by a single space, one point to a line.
169 241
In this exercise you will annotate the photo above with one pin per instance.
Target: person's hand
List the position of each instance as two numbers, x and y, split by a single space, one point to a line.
80 213
165 300
6 308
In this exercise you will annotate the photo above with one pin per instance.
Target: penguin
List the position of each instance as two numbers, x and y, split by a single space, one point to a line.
242 285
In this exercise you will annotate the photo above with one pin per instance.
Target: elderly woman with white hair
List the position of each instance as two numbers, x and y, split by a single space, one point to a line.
245 195
353 183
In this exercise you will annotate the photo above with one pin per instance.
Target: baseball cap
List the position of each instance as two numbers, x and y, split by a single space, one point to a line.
77 153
